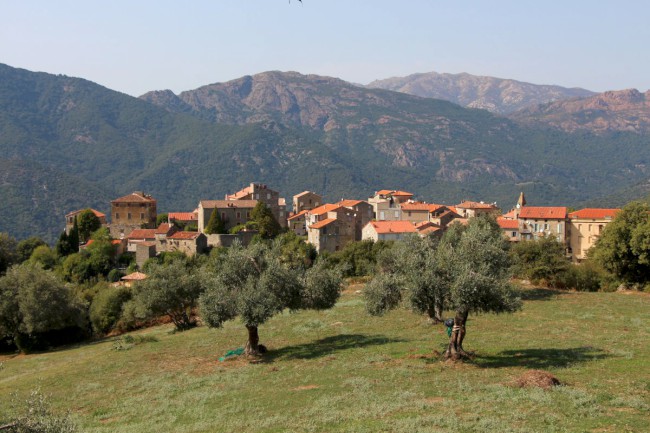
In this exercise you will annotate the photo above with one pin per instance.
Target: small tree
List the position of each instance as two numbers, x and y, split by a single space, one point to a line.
44 256
87 223
543 259
27 246
254 284
171 289
265 222
467 272
215 224
73 238
33 304
624 246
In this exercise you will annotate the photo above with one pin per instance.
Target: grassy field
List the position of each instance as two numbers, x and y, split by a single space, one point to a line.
342 371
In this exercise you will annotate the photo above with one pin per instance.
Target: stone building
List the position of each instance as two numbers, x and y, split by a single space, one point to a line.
586 226
69 218
231 212
386 204
131 212
260 192
306 200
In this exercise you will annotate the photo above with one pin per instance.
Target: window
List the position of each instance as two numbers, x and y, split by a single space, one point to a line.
396 214
514 234
238 215
141 215
559 228
382 215
117 216
128 216
268 196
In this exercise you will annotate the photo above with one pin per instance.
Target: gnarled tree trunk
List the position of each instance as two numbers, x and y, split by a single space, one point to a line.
435 313
252 345
455 350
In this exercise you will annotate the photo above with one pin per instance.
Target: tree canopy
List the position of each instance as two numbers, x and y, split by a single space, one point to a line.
254 283
467 271
624 246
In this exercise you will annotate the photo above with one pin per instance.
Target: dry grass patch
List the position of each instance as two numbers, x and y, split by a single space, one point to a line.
537 379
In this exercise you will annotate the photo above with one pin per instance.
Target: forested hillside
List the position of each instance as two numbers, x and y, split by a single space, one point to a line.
68 143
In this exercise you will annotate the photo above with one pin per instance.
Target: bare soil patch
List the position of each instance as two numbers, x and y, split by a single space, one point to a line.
537 379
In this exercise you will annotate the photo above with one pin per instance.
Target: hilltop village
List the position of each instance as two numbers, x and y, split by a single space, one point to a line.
386 215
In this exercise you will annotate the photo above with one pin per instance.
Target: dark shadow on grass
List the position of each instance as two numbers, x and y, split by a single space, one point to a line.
328 346
541 359
539 294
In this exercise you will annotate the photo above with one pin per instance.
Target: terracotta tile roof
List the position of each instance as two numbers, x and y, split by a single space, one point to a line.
528 212
385 227
453 209
97 213
185 235
508 224
135 197
418 205
393 192
183 216
298 215
510 215
135 276
163 229
350 203
324 209
213 204
323 223
241 193
475 205
427 230
142 234
594 213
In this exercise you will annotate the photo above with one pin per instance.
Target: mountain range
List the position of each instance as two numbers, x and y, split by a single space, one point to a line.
68 143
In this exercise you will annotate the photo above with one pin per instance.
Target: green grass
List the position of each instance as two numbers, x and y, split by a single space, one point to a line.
342 371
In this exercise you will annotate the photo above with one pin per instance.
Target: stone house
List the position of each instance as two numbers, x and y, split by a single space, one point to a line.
330 227
69 219
586 226
386 204
268 196
306 200
139 236
543 221
131 212
298 223
468 209
388 230
190 243
510 228
231 212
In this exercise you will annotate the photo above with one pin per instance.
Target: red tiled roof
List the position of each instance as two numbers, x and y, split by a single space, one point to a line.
508 224
393 192
298 215
594 213
350 203
385 227
142 234
97 213
305 192
183 216
528 212
323 223
135 276
239 194
219 204
324 209
510 215
163 229
428 230
185 235
475 205
418 205
136 197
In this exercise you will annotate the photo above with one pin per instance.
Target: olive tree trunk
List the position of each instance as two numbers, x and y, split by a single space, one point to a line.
252 345
455 350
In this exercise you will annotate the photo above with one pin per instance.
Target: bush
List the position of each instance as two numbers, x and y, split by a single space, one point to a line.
35 417
106 308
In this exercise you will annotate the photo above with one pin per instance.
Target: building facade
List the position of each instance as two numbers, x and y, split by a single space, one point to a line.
131 212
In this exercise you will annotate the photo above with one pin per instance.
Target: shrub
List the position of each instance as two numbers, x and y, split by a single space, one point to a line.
106 308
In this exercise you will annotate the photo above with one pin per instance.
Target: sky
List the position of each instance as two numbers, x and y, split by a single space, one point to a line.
140 45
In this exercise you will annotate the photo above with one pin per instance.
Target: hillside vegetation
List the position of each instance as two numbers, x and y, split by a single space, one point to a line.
342 371
78 144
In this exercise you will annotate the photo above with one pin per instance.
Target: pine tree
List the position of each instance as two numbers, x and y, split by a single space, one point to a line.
215 224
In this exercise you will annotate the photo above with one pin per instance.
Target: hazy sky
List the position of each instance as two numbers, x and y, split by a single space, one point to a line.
140 45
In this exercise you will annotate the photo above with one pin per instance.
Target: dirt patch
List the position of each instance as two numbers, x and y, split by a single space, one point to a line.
537 379
305 387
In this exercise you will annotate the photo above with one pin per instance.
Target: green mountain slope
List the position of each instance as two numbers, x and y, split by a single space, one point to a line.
291 131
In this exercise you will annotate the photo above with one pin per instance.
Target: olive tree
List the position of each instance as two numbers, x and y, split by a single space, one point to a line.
467 272
170 289
255 284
